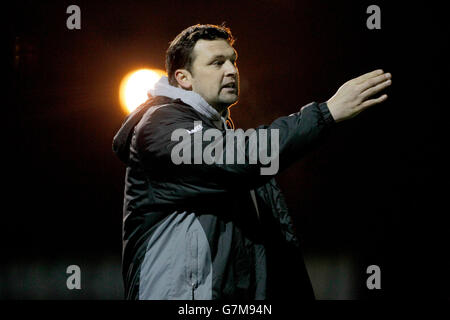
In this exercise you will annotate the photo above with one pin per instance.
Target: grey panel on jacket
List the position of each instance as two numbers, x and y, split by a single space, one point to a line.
177 264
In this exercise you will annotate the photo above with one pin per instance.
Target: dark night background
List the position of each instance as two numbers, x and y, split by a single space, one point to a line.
372 193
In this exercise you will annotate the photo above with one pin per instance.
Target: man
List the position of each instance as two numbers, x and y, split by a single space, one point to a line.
220 230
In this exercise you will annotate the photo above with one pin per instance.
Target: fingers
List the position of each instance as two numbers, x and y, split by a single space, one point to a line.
371 102
368 83
368 75
377 88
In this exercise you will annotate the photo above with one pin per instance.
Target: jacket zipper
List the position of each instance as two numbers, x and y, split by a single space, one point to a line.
253 196
193 247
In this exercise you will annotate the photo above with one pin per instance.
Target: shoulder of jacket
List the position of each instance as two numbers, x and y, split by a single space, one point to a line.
167 114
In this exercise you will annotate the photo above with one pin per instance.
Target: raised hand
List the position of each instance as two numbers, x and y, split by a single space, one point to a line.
353 96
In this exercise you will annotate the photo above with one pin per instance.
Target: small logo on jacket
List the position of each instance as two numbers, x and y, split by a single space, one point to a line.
196 128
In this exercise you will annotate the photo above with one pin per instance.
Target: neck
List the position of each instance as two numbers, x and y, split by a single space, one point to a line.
222 110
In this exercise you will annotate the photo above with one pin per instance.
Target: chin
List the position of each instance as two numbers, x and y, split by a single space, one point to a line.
229 102
232 98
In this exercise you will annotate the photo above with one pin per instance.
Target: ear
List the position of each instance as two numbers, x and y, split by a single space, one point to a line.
184 79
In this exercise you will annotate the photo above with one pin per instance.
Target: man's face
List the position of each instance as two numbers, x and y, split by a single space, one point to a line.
214 73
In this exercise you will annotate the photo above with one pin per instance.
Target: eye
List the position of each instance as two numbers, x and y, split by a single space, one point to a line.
218 62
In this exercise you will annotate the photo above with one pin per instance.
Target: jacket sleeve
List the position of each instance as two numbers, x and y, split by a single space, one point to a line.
172 146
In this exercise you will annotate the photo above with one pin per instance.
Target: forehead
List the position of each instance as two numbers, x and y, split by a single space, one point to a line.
207 49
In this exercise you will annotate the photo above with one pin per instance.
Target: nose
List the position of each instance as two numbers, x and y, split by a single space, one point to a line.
230 69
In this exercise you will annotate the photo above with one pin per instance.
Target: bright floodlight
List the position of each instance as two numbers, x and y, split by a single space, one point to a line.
135 85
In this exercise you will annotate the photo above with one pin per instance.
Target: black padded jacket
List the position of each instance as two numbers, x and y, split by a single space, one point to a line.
209 231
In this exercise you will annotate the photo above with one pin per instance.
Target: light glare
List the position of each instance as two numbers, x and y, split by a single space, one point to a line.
134 87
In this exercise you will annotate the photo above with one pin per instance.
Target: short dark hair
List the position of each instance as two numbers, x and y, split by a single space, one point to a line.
179 53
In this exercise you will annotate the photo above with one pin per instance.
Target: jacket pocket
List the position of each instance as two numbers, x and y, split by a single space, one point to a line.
192 270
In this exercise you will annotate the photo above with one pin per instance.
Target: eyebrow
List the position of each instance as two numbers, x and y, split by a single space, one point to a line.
234 55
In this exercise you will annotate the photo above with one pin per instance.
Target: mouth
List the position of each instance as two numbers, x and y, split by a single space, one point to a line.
231 85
